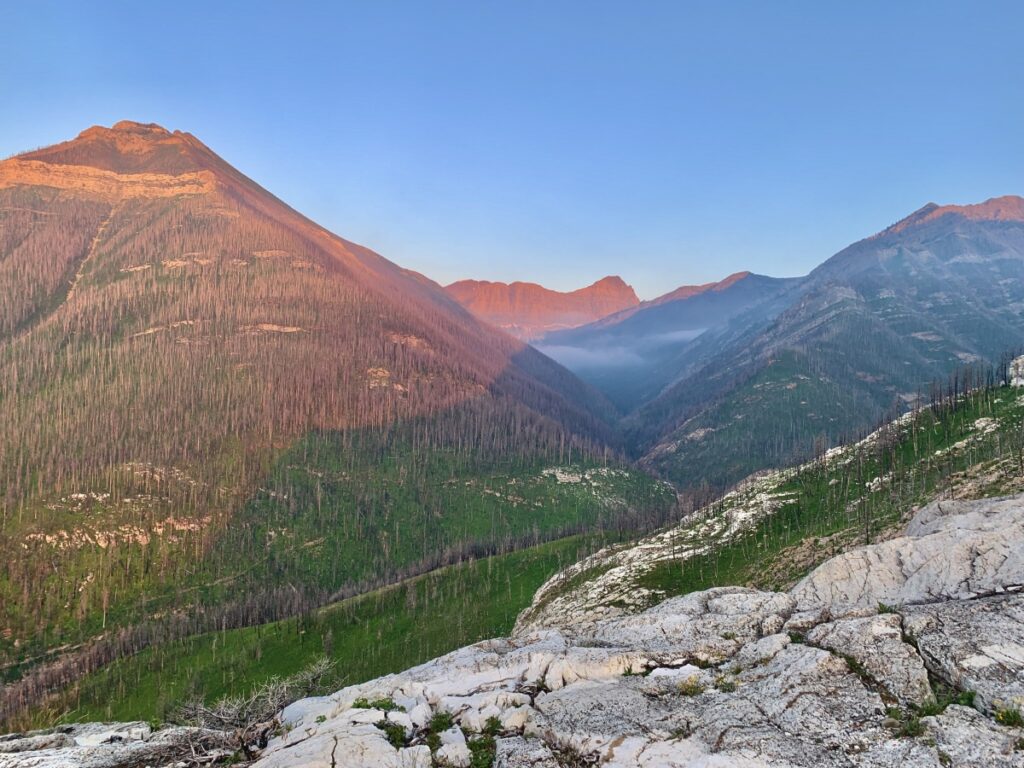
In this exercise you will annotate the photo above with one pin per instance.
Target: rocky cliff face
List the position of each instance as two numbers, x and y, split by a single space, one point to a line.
528 311
905 653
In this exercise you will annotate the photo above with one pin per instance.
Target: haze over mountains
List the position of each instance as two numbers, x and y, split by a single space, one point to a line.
720 380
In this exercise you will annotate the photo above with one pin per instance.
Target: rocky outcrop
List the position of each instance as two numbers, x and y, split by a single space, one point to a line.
975 645
952 550
102 184
820 677
875 644
117 745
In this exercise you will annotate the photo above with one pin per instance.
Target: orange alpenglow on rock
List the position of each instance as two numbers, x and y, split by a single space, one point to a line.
528 310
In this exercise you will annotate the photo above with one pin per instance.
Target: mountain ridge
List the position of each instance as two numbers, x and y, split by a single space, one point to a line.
529 310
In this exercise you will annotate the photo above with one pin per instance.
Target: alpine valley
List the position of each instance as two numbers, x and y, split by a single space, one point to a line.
268 497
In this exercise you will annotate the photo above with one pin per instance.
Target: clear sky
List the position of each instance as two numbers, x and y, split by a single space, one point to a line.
555 141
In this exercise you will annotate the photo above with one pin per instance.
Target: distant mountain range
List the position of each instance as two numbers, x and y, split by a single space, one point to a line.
863 335
528 311
634 354
719 380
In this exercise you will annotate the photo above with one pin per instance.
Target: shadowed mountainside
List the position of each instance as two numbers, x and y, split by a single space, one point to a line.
864 335
632 355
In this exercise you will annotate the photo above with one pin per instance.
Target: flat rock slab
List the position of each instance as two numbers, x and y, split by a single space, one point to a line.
975 645
875 644
951 551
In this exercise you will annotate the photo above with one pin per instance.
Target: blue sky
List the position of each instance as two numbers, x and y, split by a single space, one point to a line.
558 142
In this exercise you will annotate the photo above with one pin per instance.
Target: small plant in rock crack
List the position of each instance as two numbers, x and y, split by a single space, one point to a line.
440 722
492 727
394 732
857 668
1010 716
904 723
691 686
481 751
569 757
725 684
912 727
385 705
944 696
883 608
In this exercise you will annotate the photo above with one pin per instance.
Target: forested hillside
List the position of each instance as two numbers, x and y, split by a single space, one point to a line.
213 411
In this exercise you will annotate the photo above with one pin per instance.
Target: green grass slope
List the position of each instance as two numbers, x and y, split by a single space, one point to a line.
369 635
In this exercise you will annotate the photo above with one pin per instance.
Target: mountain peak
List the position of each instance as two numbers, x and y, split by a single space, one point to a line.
612 285
129 147
686 291
1005 208
131 126
611 280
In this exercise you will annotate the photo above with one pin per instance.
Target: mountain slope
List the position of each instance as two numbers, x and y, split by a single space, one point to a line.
896 648
774 527
632 355
204 395
866 333
528 310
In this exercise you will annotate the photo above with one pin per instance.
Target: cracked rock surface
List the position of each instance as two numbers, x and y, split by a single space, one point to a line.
837 673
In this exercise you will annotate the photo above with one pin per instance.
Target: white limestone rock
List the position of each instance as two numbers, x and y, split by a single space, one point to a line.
975 645
951 551
876 644
707 626
963 736
118 745
517 752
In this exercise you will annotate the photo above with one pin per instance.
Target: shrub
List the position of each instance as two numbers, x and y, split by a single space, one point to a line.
1010 716
441 721
394 732
691 686
481 751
